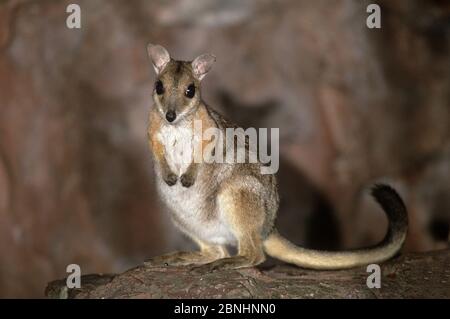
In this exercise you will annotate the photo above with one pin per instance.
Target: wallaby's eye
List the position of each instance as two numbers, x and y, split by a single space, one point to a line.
190 91
159 87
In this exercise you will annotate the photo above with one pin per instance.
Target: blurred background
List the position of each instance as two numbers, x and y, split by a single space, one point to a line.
354 106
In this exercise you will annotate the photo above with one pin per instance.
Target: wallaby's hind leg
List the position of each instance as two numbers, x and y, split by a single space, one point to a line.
245 214
206 254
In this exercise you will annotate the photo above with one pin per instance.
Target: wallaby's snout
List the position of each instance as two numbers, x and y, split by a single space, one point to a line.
171 116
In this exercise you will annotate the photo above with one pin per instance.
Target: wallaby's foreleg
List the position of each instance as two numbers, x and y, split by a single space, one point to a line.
159 153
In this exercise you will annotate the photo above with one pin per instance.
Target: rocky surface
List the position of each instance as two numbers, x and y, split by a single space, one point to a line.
411 276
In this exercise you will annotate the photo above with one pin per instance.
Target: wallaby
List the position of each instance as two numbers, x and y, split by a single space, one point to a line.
220 204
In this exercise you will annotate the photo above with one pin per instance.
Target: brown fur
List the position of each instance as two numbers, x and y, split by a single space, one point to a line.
218 204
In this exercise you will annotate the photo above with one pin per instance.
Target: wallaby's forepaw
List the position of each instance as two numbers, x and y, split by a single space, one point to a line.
187 180
171 179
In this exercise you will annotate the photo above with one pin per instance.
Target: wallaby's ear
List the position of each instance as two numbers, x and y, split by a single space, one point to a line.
159 56
202 64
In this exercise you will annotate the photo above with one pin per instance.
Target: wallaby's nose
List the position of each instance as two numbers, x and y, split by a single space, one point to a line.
171 116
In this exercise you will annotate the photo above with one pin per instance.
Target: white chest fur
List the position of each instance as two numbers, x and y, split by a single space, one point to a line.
178 141
188 204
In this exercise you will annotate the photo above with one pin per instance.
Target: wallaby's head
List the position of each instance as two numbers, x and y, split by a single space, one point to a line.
177 87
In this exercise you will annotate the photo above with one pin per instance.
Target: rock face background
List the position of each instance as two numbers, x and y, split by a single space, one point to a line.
354 106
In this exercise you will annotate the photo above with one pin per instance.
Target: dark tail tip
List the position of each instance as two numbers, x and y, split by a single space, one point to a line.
394 207
388 198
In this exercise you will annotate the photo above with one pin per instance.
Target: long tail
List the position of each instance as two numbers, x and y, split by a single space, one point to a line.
278 247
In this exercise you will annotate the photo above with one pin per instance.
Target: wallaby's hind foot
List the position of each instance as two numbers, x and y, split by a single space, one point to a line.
229 263
183 258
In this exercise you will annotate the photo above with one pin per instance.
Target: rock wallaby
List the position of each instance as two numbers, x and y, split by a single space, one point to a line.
231 204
